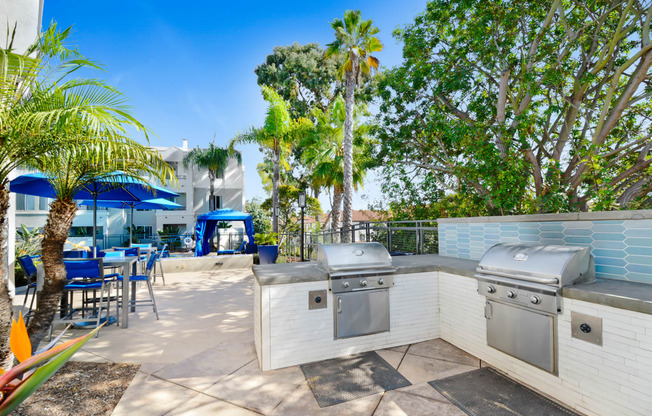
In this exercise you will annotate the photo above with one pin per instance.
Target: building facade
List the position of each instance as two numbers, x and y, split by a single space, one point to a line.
193 189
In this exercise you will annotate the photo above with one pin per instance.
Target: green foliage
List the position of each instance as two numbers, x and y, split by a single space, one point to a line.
518 108
223 224
266 239
301 75
30 241
261 217
170 235
289 208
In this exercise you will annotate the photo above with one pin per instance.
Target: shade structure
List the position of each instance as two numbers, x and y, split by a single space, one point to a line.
115 186
156 203
206 224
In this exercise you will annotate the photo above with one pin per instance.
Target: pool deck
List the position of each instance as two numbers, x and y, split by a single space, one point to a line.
199 359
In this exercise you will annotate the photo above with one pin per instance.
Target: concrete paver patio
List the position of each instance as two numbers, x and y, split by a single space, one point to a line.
199 359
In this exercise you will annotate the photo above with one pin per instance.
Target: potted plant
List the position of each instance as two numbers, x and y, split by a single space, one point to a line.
267 247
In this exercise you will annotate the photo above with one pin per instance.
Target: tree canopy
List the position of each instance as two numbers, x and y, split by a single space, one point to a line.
521 107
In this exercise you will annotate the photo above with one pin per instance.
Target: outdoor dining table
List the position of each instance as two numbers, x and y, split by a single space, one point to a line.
128 265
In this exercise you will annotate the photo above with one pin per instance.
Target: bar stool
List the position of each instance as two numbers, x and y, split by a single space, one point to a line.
141 278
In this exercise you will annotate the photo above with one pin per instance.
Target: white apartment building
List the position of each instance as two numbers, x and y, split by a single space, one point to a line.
193 190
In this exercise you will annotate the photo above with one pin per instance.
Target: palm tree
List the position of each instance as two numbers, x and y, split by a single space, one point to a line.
277 137
215 159
40 109
68 168
354 37
323 153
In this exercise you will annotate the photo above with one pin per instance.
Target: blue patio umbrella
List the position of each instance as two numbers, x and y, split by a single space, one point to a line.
115 186
156 203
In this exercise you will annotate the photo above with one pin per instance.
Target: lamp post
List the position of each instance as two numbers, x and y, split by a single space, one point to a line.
302 205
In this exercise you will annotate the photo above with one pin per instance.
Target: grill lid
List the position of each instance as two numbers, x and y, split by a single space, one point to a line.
550 264
355 258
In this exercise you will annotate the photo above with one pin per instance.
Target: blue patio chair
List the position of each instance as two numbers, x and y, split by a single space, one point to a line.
129 251
158 267
29 269
98 253
84 276
141 278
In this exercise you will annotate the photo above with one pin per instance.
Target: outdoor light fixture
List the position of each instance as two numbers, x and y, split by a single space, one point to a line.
277 211
302 205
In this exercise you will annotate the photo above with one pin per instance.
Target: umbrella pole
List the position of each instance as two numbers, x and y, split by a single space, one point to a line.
131 228
94 225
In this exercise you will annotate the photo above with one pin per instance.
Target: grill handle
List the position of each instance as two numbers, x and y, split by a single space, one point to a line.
533 279
339 304
488 310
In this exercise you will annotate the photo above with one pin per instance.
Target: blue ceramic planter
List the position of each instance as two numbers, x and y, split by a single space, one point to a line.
267 254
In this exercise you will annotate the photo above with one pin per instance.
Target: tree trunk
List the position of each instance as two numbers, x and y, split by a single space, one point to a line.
347 212
335 210
211 190
55 235
275 180
6 303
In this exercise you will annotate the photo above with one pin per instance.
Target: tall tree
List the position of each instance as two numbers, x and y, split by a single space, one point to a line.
355 38
302 76
41 108
324 153
215 159
276 137
526 107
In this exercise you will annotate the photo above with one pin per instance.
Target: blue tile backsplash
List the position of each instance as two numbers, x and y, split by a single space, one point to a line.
622 248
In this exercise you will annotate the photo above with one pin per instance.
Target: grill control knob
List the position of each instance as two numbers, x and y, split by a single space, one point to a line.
363 283
381 281
511 294
535 300
345 284
491 289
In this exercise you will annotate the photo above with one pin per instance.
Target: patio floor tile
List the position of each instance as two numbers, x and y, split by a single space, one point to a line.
302 403
392 357
202 405
442 350
419 369
256 390
151 396
416 400
200 371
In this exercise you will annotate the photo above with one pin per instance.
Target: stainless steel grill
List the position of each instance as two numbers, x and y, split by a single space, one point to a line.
523 286
359 276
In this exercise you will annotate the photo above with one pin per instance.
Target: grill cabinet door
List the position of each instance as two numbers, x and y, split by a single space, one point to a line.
361 313
521 333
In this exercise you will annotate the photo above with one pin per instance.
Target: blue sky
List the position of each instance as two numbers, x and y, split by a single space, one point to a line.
187 67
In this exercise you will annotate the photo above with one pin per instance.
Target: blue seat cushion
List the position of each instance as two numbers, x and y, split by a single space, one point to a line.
135 278
82 285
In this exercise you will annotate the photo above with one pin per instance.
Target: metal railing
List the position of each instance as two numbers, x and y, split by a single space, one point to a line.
399 237
175 242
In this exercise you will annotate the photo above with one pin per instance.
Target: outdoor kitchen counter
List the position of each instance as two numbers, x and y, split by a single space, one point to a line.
620 294
287 273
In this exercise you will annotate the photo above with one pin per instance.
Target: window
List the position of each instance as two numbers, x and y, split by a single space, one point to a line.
217 202
44 203
143 231
26 202
181 200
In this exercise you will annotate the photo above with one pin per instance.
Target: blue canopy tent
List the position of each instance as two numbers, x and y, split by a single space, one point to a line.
206 224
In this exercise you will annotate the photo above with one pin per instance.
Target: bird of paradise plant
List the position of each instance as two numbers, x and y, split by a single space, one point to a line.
20 381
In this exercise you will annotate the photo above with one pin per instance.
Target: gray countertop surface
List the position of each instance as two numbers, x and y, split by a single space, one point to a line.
616 293
621 294
285 273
